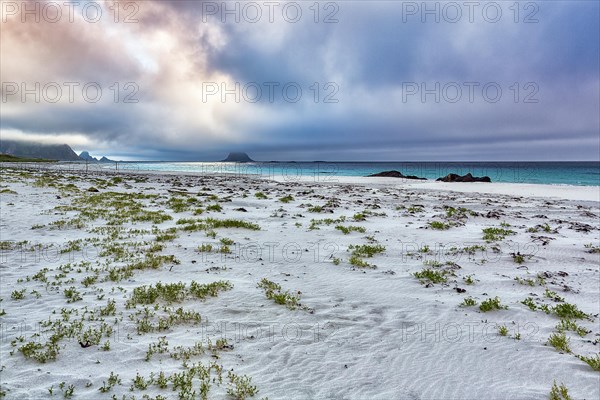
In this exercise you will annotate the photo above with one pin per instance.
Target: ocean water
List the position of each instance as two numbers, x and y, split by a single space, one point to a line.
549 173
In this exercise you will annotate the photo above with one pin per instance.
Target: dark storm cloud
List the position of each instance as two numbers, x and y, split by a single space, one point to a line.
371 53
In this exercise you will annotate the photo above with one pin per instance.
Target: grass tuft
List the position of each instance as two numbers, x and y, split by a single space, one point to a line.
468 302
431 275
491 304
438 225
559 392
560 342
286 199
274 292
496 234
347 229
593 362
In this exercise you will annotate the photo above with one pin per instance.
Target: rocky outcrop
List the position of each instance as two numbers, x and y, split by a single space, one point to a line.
465 178
84 155
396 174
238 157
87 157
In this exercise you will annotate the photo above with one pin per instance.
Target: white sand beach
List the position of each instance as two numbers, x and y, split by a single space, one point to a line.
359 288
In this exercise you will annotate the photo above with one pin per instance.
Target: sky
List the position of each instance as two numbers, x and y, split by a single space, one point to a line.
305 80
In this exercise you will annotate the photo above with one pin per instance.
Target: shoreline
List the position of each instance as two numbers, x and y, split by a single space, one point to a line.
556 191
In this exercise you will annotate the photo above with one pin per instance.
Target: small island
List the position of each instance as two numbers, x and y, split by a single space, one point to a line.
238 157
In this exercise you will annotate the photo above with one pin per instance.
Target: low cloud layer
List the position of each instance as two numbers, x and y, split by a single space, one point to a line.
378 80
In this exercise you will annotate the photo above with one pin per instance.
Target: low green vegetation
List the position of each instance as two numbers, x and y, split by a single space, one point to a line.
469 250
531 282
205 248
458 213
181 203
11 158
559 392
553 296
440 226
468 302
209 224
214 207
429 275
7 245
18 294
111 382
230 223
315 223
568 325
414 209
347 229
175 292
240 387
366 250
518 258
545 227
274 292
72 295
593 361
202 291
491 304
569 311
560 342
433 263
496 234
530 303
361 251
286 199
358 217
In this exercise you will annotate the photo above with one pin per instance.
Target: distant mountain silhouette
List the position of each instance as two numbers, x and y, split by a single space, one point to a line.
237 157
86 156
61 152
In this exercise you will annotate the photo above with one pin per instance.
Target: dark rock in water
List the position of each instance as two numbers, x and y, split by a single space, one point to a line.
396 174
465 178
104 159
238 157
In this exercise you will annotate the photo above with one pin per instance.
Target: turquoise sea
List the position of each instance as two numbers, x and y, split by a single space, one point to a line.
552 173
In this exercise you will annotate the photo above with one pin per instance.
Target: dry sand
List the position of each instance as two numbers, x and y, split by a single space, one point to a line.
373 332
